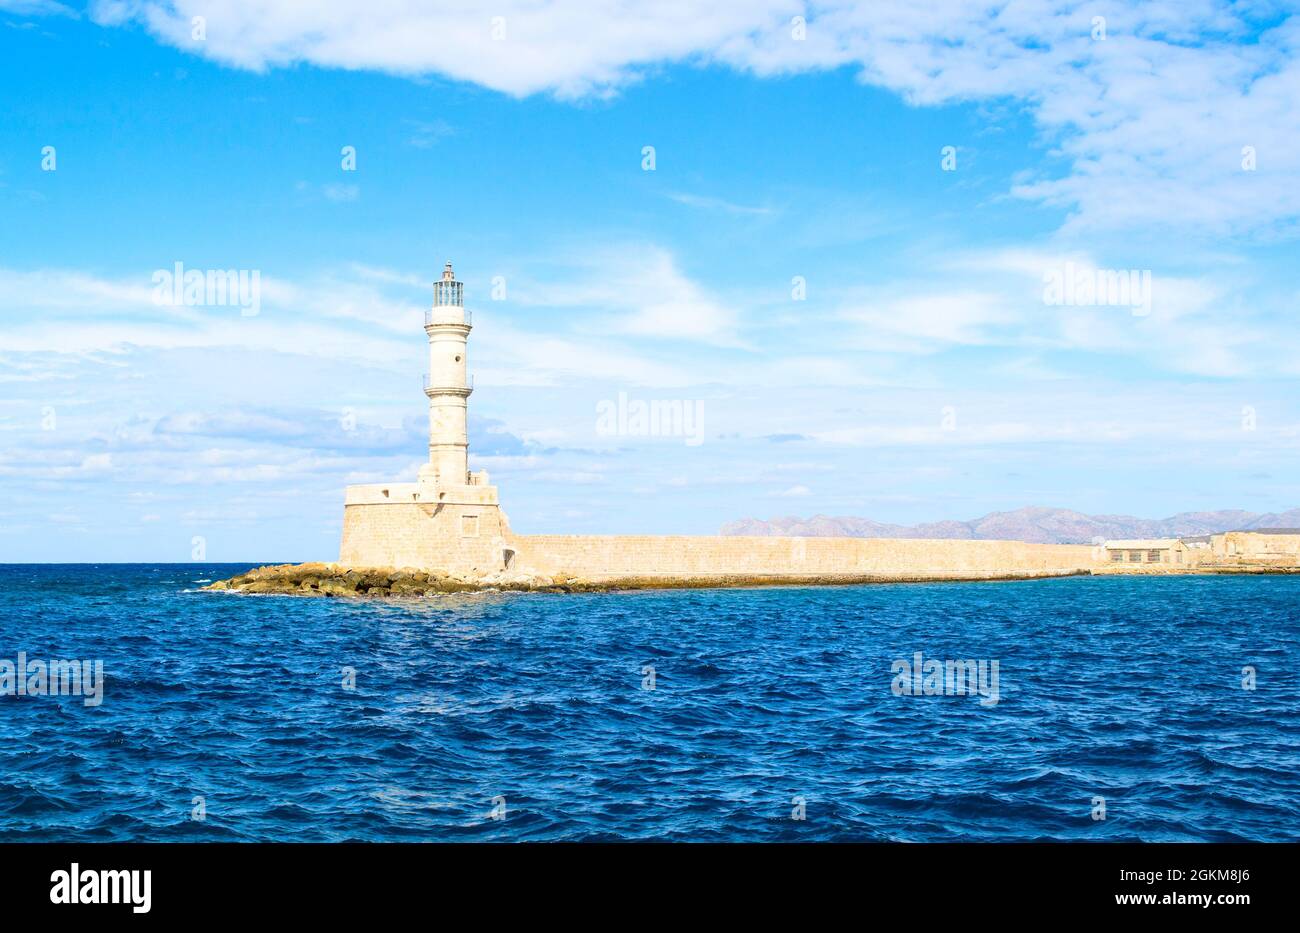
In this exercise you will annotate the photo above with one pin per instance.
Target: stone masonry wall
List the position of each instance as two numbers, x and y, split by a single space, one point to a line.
426 536
431 536
595 557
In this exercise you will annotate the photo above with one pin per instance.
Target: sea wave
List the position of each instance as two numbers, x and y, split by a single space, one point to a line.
708 715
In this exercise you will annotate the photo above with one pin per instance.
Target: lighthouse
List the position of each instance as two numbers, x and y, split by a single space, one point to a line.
449 519
447 384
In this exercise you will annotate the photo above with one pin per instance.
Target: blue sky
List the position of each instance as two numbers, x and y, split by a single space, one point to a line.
921 377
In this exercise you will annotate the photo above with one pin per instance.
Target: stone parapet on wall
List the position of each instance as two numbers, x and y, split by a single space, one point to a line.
597 557
393 493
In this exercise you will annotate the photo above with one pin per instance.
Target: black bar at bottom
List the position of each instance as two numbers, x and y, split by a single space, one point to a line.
333 882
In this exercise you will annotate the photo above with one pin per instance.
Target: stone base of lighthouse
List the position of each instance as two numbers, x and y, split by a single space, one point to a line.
427 525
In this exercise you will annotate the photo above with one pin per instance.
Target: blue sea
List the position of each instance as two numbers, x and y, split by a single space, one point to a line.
713 715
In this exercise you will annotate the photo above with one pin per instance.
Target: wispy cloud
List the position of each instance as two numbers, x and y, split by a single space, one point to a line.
340 192
637 289
706 203
37 8
428 133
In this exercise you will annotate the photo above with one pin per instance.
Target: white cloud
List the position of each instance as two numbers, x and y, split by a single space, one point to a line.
927 322
48 465
512 356
63 289
637 289
1151 120
69 311
1211 324
36 8
425 133
572 49
341 193
351 316
628 315
708 203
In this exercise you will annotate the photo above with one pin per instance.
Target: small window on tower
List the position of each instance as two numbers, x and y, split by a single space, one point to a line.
458 359
469 526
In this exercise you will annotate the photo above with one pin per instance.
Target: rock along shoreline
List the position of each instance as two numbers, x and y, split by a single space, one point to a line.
338 580
341 580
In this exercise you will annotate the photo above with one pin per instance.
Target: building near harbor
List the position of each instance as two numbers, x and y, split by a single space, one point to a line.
1146 551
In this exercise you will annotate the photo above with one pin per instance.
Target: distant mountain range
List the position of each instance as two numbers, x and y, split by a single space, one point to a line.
1048 526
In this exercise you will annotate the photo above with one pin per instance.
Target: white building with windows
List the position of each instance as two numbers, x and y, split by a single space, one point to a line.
1139 551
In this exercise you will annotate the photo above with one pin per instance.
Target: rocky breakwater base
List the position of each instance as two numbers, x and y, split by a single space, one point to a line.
341 580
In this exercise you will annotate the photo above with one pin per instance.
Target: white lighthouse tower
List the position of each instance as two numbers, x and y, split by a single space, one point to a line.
447 384
449 519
